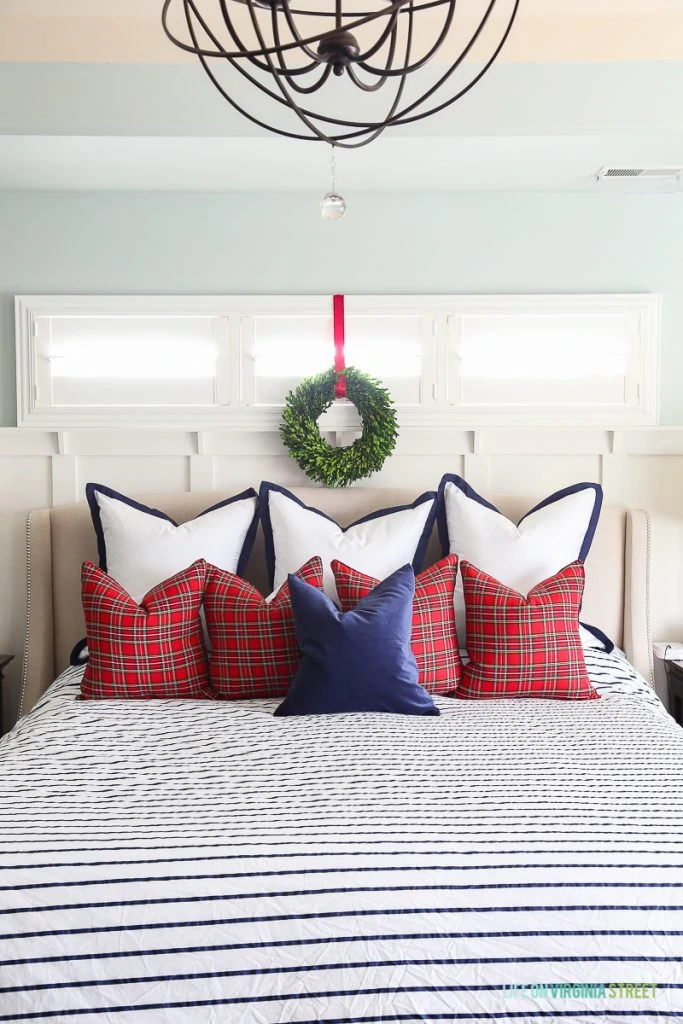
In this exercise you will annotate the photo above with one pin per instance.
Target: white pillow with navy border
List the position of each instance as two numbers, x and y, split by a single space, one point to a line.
140 546
378 544
557 531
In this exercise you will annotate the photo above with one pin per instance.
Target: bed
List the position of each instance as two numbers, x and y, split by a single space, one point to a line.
182 861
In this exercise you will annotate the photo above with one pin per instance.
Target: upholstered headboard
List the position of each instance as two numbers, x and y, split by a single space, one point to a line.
60 539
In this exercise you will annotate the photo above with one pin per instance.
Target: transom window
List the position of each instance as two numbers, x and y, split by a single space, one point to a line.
231 360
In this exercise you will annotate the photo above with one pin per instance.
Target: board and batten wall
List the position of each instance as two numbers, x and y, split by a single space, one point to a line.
277 244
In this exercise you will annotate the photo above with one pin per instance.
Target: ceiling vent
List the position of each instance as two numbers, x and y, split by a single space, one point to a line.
658 173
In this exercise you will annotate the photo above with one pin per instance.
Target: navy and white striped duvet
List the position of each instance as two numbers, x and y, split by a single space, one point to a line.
206 862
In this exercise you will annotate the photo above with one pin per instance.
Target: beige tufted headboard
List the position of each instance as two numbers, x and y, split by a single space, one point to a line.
60 539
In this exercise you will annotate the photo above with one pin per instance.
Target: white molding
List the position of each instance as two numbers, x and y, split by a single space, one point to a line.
426 439
613 467
202 476
476 470
65 489
439 408
180 305
321 305
18 442
651 314
660 441
201 442
340 417
25 367
556 439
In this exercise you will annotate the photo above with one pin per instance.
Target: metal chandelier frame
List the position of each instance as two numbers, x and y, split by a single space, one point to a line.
297 63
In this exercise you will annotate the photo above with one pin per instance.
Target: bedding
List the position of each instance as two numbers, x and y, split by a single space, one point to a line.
205 862
377 544
148 650
434 639
525 646
141 546
254 652
360 660
557 531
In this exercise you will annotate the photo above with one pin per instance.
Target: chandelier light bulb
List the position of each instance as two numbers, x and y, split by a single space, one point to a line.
332 206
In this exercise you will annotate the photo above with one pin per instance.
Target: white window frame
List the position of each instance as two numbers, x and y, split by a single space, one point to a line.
439 316
643 311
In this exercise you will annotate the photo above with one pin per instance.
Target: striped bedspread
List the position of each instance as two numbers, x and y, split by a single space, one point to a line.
183 862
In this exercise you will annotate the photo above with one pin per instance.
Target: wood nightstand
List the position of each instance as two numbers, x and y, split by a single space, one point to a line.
674 676
4 661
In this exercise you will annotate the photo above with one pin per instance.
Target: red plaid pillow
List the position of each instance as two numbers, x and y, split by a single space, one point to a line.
154 649
525 646
254 648
434 639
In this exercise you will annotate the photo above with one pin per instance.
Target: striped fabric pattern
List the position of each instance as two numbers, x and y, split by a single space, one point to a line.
151 650
434 640
254 648
201 862
525 646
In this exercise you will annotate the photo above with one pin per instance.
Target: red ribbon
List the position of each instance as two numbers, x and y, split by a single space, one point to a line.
339 363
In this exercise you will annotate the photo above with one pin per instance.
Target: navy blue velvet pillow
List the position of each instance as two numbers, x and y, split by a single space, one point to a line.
360 660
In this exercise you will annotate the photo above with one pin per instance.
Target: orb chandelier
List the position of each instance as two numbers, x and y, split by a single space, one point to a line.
291 51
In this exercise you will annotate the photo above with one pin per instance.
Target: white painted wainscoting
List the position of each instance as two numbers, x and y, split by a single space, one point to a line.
640 467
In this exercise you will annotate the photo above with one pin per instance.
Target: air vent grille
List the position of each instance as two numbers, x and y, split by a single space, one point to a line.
662 173
623 172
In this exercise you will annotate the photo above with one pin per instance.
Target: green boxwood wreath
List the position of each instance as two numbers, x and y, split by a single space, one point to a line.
338 467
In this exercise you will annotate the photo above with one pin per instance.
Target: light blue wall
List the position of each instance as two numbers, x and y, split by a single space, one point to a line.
589 97
387 243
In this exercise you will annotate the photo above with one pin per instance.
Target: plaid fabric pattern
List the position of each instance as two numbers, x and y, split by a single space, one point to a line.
154 649
525 646
434 640
254 648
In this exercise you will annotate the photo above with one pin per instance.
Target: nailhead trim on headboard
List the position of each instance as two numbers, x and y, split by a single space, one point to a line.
24 670
650 653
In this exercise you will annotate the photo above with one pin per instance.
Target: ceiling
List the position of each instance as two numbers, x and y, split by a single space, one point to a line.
546 30
93 97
